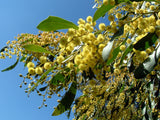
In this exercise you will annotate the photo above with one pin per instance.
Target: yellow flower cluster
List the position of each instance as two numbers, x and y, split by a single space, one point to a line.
120 98
106 96
38 69
109 90
89 48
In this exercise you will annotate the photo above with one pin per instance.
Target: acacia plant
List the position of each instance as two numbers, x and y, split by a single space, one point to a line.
116 67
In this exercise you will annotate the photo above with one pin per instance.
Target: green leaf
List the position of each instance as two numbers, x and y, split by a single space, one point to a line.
43 88
101 11
23 58
146 41
140 72
118 33
69 112
66 101
142 0
129 49
115 53
122 88
107 49
41 78
148 65
11 67
53 23
59 77
84 117
149 102
3 49
36 48
131 64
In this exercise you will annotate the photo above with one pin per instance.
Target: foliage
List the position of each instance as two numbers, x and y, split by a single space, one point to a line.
53 23
116 67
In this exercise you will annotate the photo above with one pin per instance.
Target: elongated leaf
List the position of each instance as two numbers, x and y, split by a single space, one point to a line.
43 88
122 88
107 49
23 58
147 66
102 11
41 78
146 41
130 64
118 33
105 8
142 0
129 49
11 67
69 112
3 49
53 23
66 101
115 52
59 77
36 48
84 117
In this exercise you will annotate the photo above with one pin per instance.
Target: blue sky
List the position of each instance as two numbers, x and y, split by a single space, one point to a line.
22 16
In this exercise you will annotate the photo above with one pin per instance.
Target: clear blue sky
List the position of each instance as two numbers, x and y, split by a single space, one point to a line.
22 16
